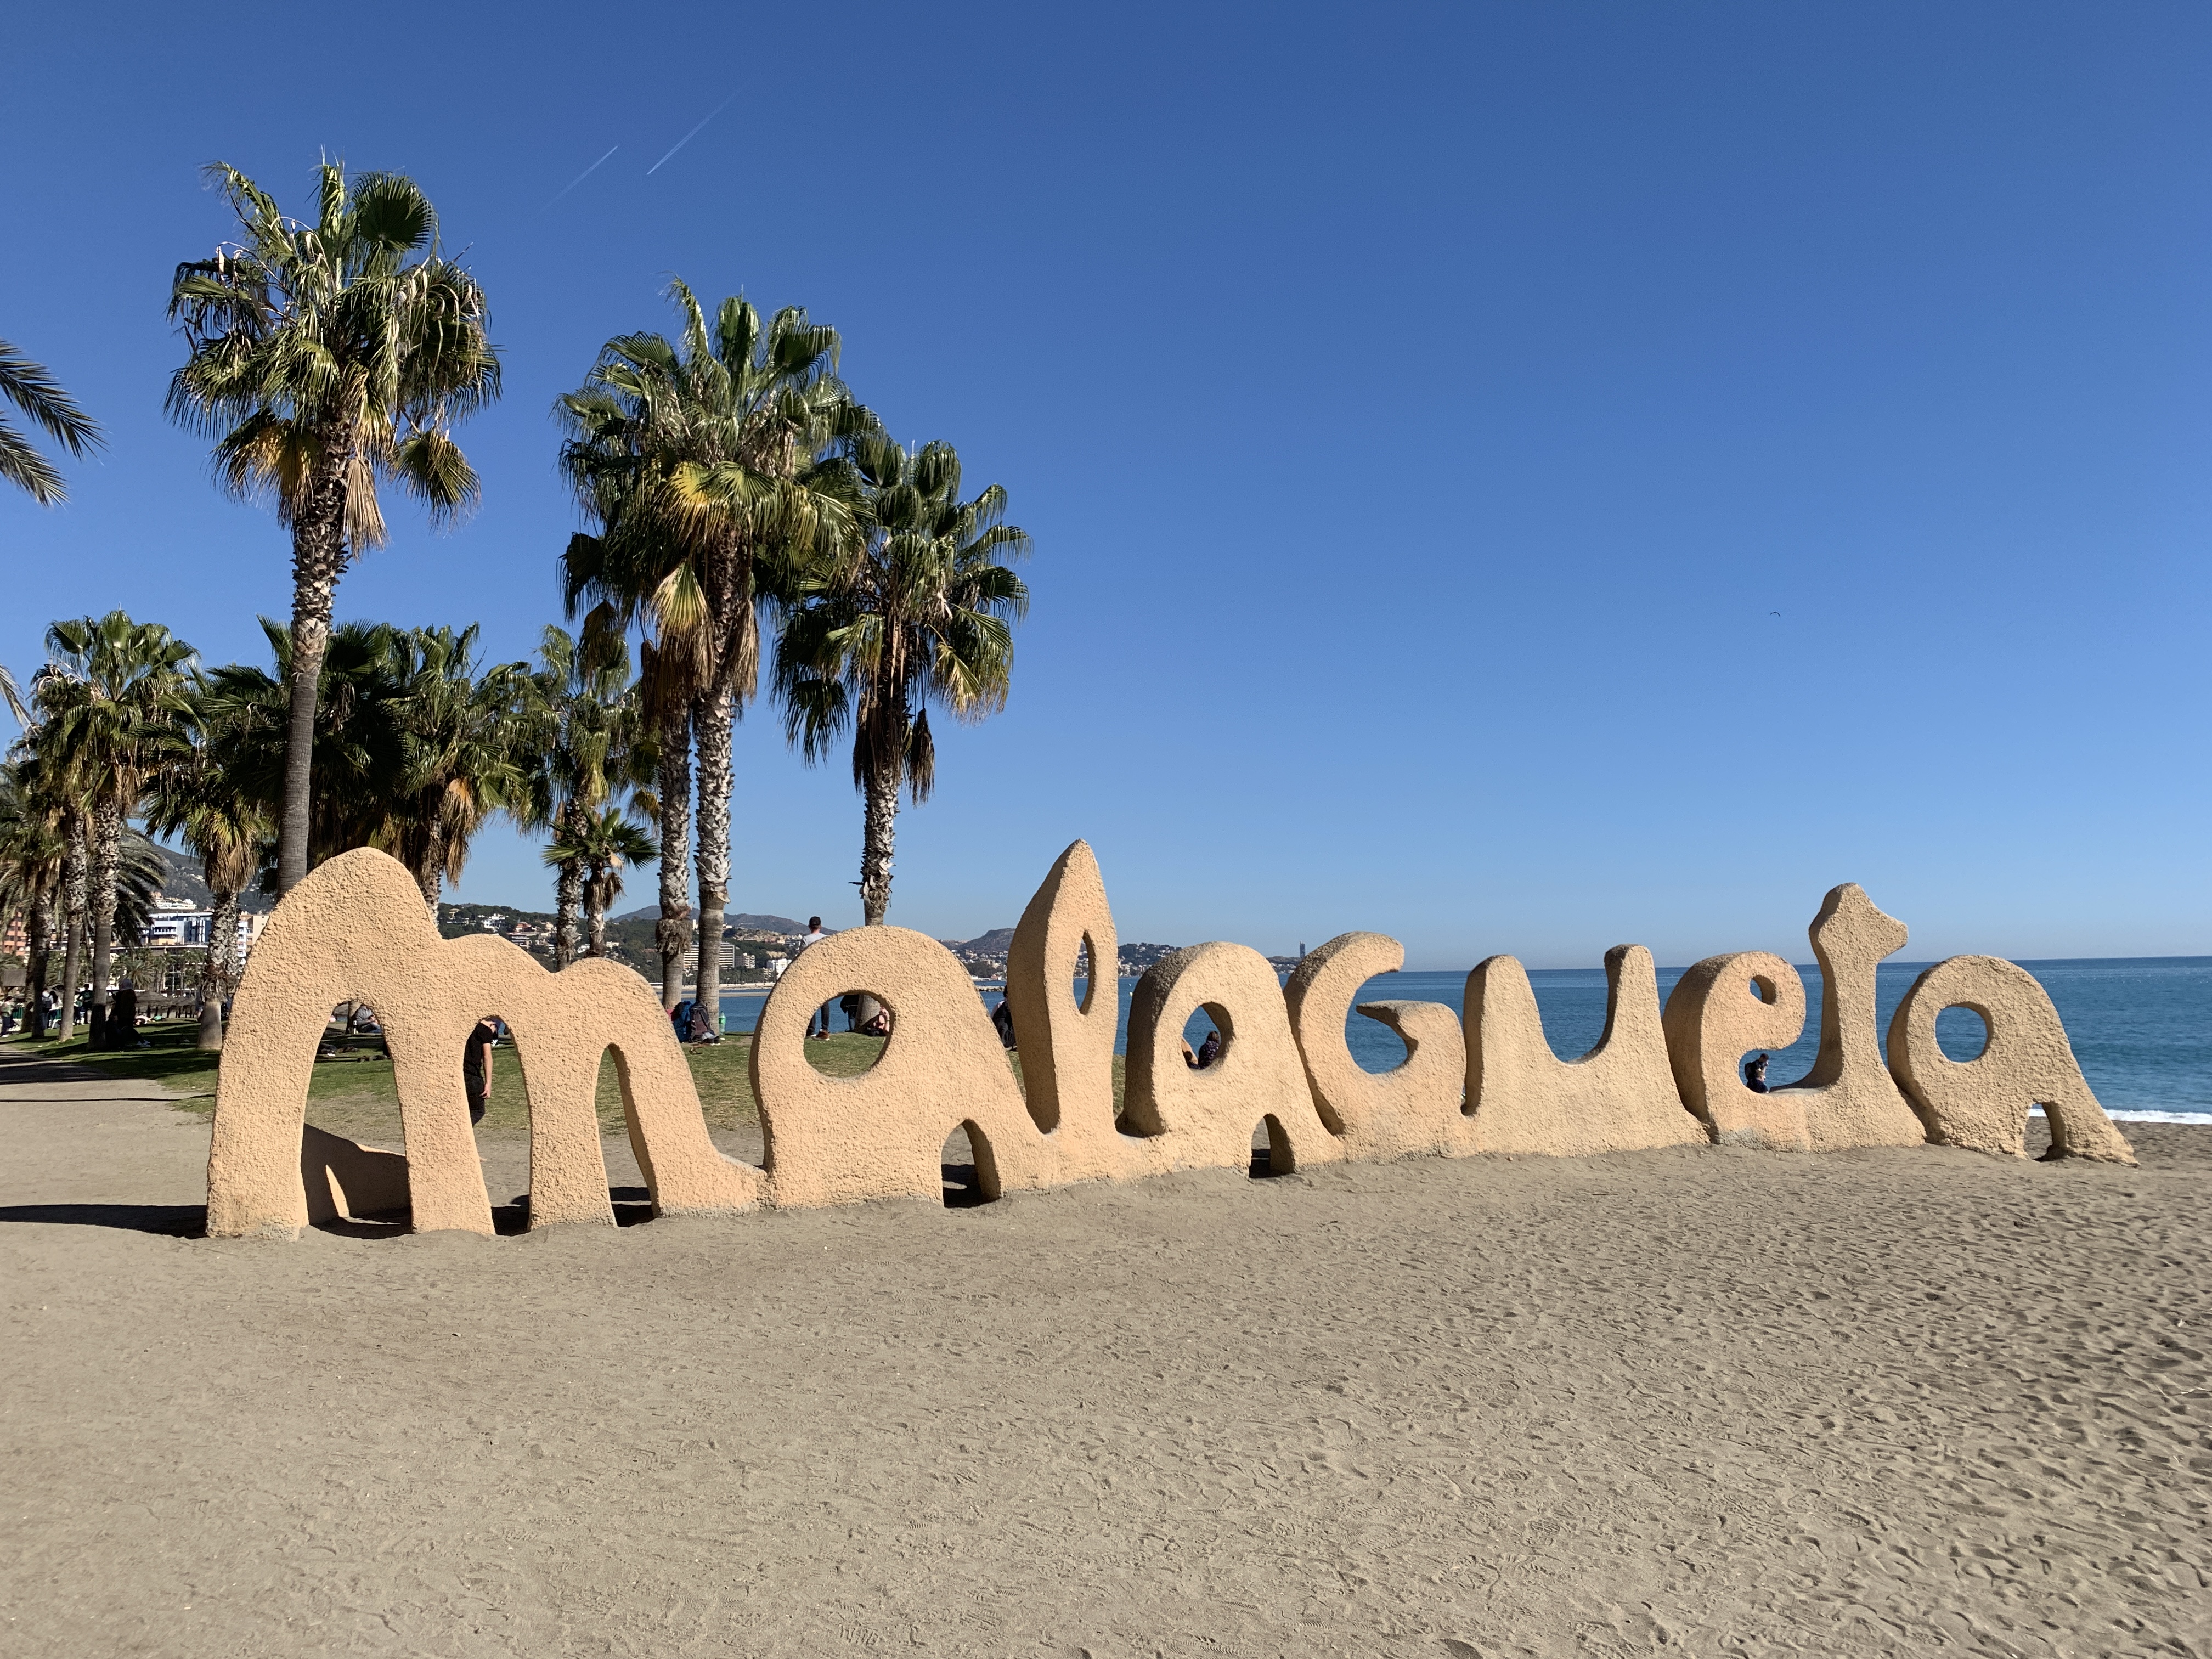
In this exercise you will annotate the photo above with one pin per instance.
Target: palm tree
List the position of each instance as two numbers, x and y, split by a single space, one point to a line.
360 786
706 464
457 759
229 830
114 703
637 577
586 745
31 857
327 358
599 843
917 614
46 406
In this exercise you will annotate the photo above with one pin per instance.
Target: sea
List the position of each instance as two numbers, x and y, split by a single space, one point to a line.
2141 1026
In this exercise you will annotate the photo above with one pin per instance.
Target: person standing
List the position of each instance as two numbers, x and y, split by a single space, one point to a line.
123 1015
475 1067
815 936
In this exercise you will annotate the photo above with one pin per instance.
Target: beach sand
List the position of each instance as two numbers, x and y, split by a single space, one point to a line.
1703 1402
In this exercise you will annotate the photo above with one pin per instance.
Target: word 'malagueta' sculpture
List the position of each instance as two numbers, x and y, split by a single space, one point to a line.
356 931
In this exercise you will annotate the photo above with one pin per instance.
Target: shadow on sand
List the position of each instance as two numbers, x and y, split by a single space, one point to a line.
172 1220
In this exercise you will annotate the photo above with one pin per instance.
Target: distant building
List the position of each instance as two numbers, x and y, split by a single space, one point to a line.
180 924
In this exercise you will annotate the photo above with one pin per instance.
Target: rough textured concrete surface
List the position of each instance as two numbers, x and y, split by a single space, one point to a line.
1414 1107
1719 1011
882 1135
1983 1103
1206 1119
1620 1097
1848 1096
1067 1047
355 930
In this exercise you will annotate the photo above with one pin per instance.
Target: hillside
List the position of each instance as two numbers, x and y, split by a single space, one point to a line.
744 920
183 882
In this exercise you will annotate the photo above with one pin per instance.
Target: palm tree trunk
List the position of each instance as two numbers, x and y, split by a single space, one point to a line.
106 851
878 831
712 718
673 931
568 902
40 961
73 927
215 973
432 875
595 909
318 557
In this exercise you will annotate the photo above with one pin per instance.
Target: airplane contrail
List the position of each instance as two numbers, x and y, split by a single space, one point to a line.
581 177
693 133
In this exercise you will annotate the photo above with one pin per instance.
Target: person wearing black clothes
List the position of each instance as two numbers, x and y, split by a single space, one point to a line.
475 1067
1210 1050
1754 1074
1002 1017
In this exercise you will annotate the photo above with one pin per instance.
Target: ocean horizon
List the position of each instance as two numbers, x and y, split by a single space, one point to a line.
2141 1026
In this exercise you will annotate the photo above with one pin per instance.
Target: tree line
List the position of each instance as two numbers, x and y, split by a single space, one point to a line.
746 516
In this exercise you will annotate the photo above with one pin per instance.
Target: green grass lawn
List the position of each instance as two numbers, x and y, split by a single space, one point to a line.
355 1095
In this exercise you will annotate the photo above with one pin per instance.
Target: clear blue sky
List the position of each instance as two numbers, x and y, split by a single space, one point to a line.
1419 413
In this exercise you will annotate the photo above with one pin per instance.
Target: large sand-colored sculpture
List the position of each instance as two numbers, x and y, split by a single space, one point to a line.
1414 1107
1620 1097
882 1135
1067 1046
1983 1103
1720 1010
1206 1119
355 930
1849 1097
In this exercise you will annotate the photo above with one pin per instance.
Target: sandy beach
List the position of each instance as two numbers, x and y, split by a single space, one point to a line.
1703 1402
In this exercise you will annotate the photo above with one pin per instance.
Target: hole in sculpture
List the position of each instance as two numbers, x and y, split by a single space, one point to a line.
719 1076
1375 1045
859 1024
967 1168
1763 989
1961 1033
1271 1149
1207 1036
1085 981
499 1111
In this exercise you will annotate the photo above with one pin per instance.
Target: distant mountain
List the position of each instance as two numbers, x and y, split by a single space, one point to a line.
743 919
183 882
996 943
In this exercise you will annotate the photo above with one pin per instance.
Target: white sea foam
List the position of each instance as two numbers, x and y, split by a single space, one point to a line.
2124 1117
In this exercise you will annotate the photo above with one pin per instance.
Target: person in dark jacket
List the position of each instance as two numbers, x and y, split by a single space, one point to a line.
1754 1074
1210 1050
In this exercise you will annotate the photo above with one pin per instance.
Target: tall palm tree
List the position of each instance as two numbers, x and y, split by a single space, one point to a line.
706 463
918 613
599 843
327 358
587 745
114 697
458 764
46 406
638 577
